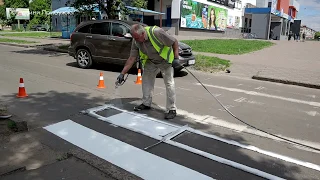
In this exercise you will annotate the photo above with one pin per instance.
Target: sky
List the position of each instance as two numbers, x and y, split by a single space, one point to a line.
309 13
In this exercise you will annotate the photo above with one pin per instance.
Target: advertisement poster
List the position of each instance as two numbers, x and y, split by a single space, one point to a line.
21 13
237 22
197 15
230 23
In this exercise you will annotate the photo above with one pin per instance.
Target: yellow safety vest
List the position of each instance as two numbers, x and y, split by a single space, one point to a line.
165 52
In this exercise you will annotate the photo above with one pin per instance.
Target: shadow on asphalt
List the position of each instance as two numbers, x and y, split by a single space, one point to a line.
39 52
42 109
118 69
97 66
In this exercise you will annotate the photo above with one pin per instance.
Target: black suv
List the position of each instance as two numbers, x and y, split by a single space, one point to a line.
110 41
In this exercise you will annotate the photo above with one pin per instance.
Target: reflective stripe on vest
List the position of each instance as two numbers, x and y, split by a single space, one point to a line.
165 52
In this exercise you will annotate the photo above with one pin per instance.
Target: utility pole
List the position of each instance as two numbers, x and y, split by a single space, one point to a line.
160 14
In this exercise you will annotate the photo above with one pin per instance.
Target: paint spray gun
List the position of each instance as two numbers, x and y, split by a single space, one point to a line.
117 83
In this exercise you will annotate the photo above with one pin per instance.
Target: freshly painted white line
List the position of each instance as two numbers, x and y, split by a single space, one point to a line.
117 120
142 124
259 88
184 89
240 99
253 148
227 107
228 125
207 119
311 103
131 126
225 161
123 155
312 113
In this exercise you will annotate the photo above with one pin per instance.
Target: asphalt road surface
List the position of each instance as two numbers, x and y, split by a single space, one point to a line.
58 90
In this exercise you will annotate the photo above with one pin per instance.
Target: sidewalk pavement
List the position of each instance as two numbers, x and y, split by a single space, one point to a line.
39 41
288 62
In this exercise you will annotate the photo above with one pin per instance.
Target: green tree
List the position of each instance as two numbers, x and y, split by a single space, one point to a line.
16 3
110 7
11 4
39 12
317 35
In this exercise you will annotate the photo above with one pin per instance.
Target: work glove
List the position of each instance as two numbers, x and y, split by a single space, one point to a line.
176 64
120 78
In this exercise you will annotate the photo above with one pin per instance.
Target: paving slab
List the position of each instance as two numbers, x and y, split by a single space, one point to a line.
288 62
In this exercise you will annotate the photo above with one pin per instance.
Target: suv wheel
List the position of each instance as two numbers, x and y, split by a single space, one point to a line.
84 59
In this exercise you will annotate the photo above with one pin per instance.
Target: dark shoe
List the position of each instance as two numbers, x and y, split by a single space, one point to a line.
171 114
141 107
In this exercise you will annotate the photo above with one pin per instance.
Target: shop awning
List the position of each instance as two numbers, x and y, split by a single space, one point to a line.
145 12
64 11
69 11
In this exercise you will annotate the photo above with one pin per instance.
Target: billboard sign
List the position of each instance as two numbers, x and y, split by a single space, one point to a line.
197 15
228 3
21 13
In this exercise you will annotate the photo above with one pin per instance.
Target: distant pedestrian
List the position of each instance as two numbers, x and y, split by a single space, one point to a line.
303 37
25 26
298 37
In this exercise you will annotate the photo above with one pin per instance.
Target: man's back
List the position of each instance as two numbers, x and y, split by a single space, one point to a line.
147 47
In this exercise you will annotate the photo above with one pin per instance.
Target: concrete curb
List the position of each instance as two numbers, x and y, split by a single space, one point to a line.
17 45
13 170
296 83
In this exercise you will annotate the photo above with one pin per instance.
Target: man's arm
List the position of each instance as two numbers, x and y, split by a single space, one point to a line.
176 49
128 64
131 60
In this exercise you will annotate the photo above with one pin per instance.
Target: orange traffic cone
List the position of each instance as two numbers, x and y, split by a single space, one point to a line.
101 82
22 91
139 77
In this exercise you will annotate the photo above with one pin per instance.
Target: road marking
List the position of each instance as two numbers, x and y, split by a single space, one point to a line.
311 103
259 88
313 96
208 119
93 111
239 84
143 125
132 159
227 107
242 99
167 138
312 113
184 89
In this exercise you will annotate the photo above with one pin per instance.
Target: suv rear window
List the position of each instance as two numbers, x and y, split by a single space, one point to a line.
101 28
84 29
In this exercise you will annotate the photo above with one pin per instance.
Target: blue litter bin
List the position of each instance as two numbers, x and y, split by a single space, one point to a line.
66 34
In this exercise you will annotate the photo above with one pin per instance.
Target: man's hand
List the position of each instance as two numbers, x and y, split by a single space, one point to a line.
120 79
176 64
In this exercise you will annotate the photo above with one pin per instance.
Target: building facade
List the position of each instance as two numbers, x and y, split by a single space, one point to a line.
182 17
200 17
310 33
272 19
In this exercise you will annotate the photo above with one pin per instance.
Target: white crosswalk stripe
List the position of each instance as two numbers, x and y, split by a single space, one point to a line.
137 161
